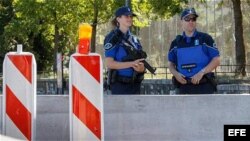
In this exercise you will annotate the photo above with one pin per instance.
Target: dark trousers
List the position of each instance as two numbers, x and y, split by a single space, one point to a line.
204 88
119 88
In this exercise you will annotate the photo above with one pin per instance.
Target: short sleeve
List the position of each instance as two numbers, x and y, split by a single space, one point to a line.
172 52
211 47
109 47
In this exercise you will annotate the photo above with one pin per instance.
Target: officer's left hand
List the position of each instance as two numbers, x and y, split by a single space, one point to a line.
196 78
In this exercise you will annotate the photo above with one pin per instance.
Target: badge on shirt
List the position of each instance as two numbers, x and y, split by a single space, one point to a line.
196 42
108 46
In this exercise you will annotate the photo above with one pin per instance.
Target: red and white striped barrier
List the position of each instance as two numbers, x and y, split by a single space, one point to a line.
86 97
19 95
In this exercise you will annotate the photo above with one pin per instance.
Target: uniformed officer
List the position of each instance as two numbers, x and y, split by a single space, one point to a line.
192 57
125 75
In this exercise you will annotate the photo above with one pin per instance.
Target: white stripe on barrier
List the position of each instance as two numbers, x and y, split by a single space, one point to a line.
92 90
82 131
19 122
11 128
85 126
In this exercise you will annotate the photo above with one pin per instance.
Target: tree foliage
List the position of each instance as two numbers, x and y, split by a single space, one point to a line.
46 27
166 8
6 14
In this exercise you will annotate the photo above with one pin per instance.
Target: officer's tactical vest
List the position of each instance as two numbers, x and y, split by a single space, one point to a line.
190 60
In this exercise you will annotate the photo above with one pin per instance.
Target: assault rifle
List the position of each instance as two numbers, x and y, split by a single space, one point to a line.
133 53
138 54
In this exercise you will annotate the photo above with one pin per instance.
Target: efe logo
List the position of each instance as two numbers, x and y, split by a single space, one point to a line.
236 132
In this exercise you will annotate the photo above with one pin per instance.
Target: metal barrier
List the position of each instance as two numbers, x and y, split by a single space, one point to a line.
162 72
226 75
222 70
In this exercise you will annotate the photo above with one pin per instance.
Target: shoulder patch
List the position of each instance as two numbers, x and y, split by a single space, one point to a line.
108 46
214 45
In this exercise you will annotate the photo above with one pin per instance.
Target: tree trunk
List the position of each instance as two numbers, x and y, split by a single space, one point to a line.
94 25
56 41
239 45
93 38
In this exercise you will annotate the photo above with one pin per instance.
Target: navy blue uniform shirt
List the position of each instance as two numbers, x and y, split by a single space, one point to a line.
199 39
117 51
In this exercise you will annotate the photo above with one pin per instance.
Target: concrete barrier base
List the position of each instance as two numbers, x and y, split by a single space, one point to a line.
149 117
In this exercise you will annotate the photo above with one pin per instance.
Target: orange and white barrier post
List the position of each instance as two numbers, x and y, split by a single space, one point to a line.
19 95
86 92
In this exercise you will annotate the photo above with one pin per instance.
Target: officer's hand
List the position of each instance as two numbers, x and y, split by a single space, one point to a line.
138 65
197 77
180 78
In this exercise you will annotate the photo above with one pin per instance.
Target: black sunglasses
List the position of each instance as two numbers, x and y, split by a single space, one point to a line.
187 19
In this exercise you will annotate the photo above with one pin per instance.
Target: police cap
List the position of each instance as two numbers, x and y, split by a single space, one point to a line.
188 11
125 10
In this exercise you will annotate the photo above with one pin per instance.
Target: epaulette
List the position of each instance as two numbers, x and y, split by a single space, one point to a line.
178 38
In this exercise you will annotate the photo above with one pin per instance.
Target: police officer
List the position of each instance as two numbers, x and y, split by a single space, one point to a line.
192 57
124 76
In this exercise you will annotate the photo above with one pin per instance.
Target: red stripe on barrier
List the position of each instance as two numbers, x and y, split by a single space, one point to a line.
91 64
86 112
18 113
23 64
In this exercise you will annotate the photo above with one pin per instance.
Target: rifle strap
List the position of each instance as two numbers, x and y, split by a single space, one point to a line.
128 44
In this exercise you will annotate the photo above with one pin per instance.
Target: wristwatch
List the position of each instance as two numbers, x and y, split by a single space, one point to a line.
203 71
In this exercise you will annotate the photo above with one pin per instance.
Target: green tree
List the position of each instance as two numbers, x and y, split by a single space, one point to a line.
97 12
61 19
6 14
167 8
45 28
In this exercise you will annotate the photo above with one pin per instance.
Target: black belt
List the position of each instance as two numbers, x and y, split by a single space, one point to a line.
203 80
178 84
125 79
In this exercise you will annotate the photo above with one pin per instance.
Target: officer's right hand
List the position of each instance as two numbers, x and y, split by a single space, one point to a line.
180 78
138 65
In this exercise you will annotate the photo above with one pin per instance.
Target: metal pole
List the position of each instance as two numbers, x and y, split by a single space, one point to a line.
215 19
126 2
206 16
